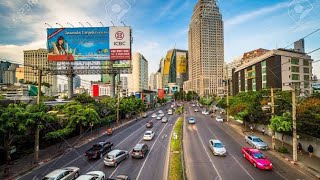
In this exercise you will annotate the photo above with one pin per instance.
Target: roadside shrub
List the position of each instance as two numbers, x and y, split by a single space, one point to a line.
283 149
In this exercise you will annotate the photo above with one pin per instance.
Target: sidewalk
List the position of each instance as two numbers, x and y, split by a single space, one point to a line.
25 164
311 165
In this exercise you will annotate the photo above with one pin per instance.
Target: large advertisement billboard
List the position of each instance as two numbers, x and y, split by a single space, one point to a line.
181 62
167 63
89 43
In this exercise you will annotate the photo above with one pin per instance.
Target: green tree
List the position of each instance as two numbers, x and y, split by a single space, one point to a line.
281 124
2 97
308 117
84 98
12 125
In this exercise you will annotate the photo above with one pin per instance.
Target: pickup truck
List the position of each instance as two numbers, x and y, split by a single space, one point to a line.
256 142
99 149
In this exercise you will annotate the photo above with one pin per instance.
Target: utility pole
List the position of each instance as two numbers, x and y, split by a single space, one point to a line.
36 141
118 103
227 95
294 125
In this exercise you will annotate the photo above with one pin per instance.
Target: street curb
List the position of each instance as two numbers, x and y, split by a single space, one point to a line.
285 159
48 160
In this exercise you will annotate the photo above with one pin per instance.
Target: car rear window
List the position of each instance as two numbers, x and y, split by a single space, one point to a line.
147 134
218 145
110 156
136 150
257 140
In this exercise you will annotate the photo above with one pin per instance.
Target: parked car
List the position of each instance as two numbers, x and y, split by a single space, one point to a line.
148 135
99 149
96 175
114 157
255 157
159 117
119 177
219 119
164 120
256 142
144 115
192 120
139 151
217 147
149 124
63 173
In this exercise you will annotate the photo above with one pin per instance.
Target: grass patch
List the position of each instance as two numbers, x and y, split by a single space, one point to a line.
175 166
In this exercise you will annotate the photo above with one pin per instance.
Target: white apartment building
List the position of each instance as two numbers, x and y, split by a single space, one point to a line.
206 50
138 80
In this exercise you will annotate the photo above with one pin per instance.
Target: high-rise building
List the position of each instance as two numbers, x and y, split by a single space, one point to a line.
7 72
39 59
151 83
205 49
175 68
158 80
76 82
138 80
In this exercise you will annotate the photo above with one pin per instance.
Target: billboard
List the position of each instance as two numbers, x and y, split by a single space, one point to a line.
167 63
181 62
89 44
160 93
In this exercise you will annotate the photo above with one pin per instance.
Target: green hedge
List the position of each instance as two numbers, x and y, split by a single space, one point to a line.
175 166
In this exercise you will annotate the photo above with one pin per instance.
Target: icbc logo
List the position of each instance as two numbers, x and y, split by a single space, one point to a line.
119 35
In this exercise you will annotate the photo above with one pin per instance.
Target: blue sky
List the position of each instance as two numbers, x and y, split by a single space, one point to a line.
163 24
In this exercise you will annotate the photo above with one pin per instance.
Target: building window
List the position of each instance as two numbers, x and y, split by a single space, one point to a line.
295 61
295 76
295 69
306 77
264 78
254 85
305 62
264 85
306 70
264 63
306 84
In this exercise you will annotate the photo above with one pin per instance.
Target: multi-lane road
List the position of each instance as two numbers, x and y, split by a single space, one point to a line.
202 164
153 166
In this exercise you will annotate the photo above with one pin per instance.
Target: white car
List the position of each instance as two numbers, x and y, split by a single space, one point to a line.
148 135
164 120
191 120
170 112
63 173
219 119
160 111
205 112
96 175
161 114
196 110
154 115
159 117
217 147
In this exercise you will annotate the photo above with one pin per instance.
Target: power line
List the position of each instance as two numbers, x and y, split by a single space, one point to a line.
304 37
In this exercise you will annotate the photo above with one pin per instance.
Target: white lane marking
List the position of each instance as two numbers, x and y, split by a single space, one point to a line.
130 149
208 155
145 160
231 154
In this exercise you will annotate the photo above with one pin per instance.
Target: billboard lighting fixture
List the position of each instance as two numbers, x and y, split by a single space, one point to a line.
101 24
112 23
48 25
89 24
70 24
59 24
81 24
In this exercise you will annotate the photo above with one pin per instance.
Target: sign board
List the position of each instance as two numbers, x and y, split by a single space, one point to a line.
89 44
127 65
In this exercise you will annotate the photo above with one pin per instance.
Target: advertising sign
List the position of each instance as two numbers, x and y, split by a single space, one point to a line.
181 62
123 65
89 44
160 93
167 62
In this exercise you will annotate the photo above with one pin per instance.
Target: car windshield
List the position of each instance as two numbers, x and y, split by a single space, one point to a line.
258 156
96 146
218 145
136 150
257 140
110 156
219 117
148 134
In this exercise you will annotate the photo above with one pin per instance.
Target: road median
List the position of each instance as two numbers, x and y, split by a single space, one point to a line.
176 170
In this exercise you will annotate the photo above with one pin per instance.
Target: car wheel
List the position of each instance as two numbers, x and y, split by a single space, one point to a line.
101 155
76 175
127 156
255 165
102 178
115 164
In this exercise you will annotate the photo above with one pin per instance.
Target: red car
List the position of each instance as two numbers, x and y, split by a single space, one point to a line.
255 157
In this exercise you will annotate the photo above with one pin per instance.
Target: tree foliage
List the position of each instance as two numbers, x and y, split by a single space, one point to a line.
308 117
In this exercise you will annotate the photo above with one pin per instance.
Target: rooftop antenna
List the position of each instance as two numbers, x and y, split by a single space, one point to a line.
89 24
101 24
81 24
59 24
70 24
112 23
48 25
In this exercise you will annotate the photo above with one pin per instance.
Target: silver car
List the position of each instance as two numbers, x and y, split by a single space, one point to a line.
217 147
67 173
114 157
159 117
256 142
164 120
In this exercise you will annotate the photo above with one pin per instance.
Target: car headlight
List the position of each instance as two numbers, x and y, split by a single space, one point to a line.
270 164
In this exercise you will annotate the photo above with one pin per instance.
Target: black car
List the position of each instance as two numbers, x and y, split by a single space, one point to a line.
99 149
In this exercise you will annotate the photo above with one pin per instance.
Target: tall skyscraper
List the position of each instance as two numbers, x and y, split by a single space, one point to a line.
206 50
39 59
138 80
151 81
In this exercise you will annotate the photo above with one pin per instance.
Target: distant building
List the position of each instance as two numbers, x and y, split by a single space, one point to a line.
80 90
205 50
175 68
138 80
151 83
248 56
76 82
158 80
20 74
98 89
277 68
299 46
8 72
38 59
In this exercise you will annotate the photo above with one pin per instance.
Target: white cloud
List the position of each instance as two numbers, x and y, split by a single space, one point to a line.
242 18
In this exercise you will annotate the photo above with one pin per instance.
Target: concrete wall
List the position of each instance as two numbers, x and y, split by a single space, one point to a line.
303 139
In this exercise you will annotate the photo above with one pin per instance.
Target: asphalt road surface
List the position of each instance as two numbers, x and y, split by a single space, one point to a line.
153 166
202 164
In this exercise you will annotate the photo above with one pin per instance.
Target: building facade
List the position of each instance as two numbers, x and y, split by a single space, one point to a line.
205 50
151 83
158 80
278 68
8 72
138 80
39 59
175 68
76 81
20 74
